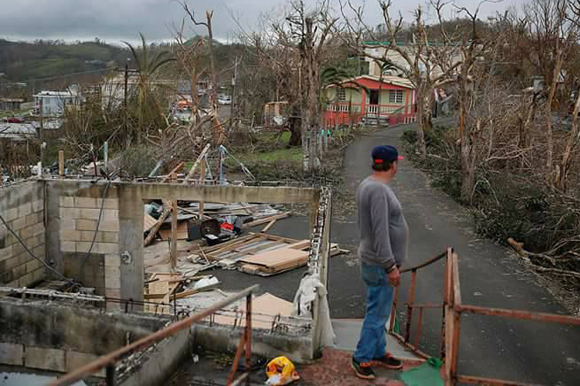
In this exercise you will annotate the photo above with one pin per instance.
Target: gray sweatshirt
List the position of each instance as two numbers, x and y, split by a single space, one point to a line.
383 231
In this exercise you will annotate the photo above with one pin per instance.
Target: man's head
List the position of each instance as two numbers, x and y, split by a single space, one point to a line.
385 159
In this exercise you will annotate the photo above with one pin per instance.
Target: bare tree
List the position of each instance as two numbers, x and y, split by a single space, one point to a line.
474 49
303 36
274 53
563 169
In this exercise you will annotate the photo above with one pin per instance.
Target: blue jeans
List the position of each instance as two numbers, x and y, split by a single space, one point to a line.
373 343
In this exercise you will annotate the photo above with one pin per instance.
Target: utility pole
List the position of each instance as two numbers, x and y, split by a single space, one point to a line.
125 95
41 131
232 110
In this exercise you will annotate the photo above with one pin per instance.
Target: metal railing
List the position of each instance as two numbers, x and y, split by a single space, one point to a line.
108 361
452 309
410 308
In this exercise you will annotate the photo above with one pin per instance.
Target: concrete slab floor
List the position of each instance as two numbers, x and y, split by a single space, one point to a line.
283 285
333 369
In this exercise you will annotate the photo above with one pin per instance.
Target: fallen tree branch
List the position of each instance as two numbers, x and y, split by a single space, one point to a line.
556 271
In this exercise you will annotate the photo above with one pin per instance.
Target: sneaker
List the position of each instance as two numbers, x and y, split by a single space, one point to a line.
388 362
363 370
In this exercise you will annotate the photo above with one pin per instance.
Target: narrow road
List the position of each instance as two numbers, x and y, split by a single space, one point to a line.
526 351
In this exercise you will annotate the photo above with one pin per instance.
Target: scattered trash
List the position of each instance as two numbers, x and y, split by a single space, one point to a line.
281 371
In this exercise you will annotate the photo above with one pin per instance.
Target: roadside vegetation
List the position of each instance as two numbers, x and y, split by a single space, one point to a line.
511 207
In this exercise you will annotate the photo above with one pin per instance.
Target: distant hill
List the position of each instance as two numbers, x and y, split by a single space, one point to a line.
24 61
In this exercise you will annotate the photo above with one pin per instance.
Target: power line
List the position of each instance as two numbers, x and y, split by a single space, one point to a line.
59 76
37 258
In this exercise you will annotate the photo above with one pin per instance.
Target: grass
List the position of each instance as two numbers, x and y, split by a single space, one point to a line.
4 114
293 154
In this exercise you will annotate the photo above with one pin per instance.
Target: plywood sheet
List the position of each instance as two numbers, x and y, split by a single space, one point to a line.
265 309
279 259
182 229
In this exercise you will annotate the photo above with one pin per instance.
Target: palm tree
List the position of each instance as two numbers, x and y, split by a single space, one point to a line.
147 67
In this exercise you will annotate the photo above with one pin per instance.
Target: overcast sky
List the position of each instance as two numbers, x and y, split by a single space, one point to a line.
115 20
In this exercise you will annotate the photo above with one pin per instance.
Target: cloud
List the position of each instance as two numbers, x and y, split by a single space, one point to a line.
114 20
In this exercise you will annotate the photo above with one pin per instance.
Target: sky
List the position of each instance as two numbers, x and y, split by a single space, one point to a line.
116 20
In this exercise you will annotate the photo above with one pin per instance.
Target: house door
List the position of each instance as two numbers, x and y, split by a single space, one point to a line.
374 97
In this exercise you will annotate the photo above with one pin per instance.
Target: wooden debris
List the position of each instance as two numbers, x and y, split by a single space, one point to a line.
174 171
181 232
265 311
277 261
155 229
186 293
270 225
160 288
148 222
265 220
173 235
197 161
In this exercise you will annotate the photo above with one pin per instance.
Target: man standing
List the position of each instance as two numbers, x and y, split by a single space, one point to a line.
383 236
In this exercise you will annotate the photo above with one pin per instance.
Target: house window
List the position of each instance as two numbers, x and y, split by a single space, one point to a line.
396 96
341 94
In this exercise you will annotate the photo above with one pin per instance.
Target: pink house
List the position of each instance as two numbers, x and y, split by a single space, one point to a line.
368 99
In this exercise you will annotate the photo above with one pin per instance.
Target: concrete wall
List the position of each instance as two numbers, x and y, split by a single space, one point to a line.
74 211
22 206
79 224
62 338
155 365
268 345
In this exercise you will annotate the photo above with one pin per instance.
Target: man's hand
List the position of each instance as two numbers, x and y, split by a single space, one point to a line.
394 277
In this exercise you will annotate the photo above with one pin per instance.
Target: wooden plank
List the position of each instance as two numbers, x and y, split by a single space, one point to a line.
159 287
61 163
270 225
230 242
153 296
250 268
300 245
265 220
214 253
202 176
174 171
276 238
197 161
186 293
157 225
174 234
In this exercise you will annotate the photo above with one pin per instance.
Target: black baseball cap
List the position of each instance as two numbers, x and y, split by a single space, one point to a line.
385 153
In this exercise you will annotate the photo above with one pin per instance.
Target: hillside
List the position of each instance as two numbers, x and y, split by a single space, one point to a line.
25 61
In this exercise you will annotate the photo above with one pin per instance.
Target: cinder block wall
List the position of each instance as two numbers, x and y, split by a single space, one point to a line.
62 338
22 206
73 208
79 225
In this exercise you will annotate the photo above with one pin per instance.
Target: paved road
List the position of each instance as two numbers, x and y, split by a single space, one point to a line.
490 276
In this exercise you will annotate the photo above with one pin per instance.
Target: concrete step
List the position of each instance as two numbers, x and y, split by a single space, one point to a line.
347 333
